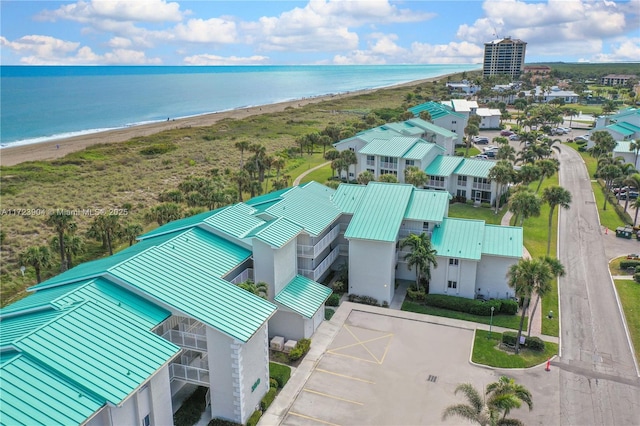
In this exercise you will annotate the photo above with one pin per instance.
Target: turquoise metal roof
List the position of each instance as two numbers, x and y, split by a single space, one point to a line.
15 327
443 165
427 206
277 233
420 150
40 299
380 213
304 296
235 220
504 241
32 394
266 198
423 124
181 283
475 168
215 255
459 238
347 197
404 129
180 224
317 189
394 147
623 147
111 362
436 109
308 208
626 129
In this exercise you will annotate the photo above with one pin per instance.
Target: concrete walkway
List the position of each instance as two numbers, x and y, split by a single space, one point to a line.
296 182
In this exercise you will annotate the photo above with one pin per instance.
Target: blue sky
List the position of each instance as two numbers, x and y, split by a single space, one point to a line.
163 32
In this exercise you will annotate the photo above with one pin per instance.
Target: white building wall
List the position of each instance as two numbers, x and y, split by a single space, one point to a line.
127 414
275 267
160 394
101 418
491 280
464 275
255 371
287 324
372 269
224 376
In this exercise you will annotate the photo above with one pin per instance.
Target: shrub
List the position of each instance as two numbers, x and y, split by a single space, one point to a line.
273 383
300 350
484 309
328 313
471 306
339 286
333 300
191 410
508 307
280 373
509 337
222 422
255 417
268 399
534 343
485 205
470 202
627 264
365 300
416 294
159 148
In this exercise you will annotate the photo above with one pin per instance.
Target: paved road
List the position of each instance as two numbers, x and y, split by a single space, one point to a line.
599 383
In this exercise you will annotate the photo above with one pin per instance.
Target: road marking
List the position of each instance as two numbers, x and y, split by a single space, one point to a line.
353 357
362 343
312 418
345 376
332 396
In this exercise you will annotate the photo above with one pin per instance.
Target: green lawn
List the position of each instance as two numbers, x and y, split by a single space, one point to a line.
629 292
608 217
467 211
506 321
472 151
486 351
321 175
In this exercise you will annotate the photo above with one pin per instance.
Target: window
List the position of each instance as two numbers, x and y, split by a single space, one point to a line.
410 162
371 160
452 284
425 226
352 149
372 171
461 193
453 121
146 421
453 262
462 181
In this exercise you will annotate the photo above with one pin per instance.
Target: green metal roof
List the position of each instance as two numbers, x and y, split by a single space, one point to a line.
443 165
404 129
623 147
504 241
626 129
215 255
474 168
427 206
180 224
317 189
40 299
394 147
181 283
627 112
111 362
459 238
33 394
308 208
420 149
423 124
277 233
15 327
436 109
303 295
235 220
266 198
347 197
380 213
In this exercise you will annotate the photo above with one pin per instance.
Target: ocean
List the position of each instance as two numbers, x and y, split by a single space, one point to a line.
41 103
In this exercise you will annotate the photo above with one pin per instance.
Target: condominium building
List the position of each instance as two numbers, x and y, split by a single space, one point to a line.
504 56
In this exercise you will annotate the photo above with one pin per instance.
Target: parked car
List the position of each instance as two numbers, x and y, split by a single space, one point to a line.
481 157
489 148
620 190
583 138
480 140
491 154
514 137
558 131
506 133
633 256
631 194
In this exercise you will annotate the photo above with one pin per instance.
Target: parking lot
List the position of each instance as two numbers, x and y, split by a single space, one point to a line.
389 370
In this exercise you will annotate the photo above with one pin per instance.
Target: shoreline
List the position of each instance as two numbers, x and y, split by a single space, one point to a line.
58 148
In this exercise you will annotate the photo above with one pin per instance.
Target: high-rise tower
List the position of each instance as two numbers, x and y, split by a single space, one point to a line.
504 56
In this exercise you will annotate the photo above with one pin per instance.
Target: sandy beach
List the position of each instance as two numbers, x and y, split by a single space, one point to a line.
60 147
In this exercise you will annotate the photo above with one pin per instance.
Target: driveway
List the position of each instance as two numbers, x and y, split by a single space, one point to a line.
598 379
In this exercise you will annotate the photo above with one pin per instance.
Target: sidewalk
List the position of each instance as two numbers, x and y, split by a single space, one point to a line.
296 182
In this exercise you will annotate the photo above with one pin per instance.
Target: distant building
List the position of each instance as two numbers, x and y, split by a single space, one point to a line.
464 86
617 79
552 93
504 56
537 69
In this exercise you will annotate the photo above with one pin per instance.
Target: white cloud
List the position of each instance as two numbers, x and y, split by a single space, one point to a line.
626 51
119 42
212 30
451 53
45 50
138 11
207 59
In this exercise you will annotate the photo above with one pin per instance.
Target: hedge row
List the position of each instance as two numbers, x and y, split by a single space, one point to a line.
471 306
268 399
300 350
191 410
333 300
222 422
255 418
280 373
625 264
533 343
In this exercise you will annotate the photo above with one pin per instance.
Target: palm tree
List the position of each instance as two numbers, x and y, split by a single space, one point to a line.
502 173
471 130
634 181
609 173
242 146
636 205
507 394
524 277
163 213
38 257
130 232
422 256
414 176
426 116
476 411
350 159
506 152
241 179
555 196
557 270
260 289
529 173
524 204
73 246
105 228
365 177
635 147
548 168
61 223
388 178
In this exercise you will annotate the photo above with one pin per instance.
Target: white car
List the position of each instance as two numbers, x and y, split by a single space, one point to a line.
584 138
514 138
489 148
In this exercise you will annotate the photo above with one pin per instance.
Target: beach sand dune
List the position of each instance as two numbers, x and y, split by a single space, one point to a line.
58 148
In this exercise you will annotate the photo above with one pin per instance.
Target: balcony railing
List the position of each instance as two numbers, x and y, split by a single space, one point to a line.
189 374
187 340
436 183
371 162
316 273
482 186
314 251
389 166
245 275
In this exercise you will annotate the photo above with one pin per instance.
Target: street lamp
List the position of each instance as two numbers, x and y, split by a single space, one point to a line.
491 321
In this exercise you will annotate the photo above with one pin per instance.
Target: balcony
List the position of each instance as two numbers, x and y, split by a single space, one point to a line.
314 251
436 184
316 273
482 186
388 166
187 340
196 375
371 163
245 275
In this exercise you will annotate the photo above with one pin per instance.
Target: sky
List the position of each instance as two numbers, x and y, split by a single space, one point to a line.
332 32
